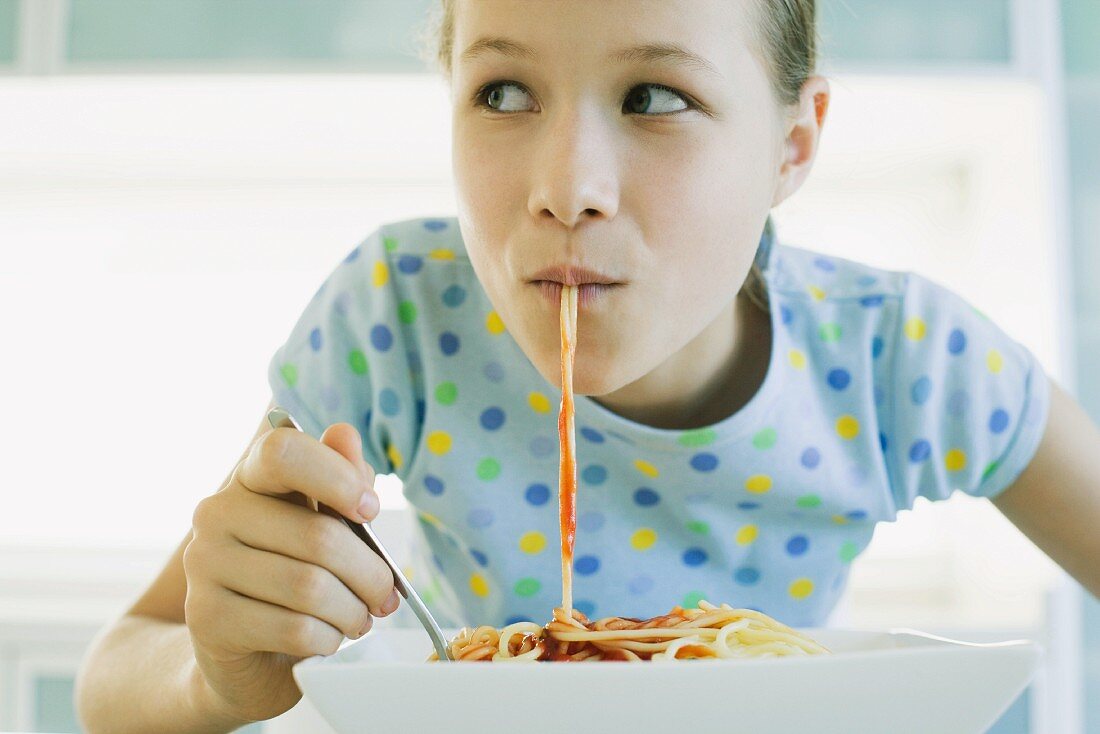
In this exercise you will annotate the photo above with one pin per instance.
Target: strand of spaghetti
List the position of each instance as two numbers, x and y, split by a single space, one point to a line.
567 469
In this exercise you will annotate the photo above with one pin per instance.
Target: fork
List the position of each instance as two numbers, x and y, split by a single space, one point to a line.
281 418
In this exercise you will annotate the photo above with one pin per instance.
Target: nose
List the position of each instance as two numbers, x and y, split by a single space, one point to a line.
574 173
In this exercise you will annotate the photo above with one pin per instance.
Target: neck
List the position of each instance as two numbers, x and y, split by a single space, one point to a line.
710 379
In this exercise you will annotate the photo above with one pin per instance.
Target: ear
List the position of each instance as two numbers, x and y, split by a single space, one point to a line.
803 133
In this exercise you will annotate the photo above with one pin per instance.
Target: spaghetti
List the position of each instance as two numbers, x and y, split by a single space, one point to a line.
707 631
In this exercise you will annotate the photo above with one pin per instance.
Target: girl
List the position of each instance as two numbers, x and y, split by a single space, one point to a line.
746 413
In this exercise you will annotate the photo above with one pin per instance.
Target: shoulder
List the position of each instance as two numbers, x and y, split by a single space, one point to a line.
434 237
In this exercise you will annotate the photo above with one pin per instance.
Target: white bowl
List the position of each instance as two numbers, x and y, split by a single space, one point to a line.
897 682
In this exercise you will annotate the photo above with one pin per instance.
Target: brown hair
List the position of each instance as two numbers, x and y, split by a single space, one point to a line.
786 38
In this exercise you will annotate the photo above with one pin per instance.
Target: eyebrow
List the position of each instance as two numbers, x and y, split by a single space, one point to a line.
648 53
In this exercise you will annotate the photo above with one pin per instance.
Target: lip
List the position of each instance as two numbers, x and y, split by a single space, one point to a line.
566 274
588 294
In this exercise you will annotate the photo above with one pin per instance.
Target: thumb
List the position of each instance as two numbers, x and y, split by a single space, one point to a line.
346 441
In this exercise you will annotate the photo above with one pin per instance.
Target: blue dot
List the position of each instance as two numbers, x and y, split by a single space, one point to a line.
342 303
695 557
646 497
494 372
786 315
866 281
352 256
585 607
921 390
516 620
537 494
797 545
435 225
748 505
381 337
481 558
389 403
591 522
877 345
492 419
433 484
480 517
594 474
587 565
366 420
592 435
920 451
704 462
839 379
542 446
811 457
871 301
882 441
454 296
998 421
956 342
438 563
409 264
958 403
746 576
639 585
825 264
448 343
315 340
421 409
857 515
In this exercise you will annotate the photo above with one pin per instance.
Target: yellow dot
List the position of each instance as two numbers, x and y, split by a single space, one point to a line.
532 542
746 534
643 538
847 427
494 323
646 468
758 483
797 358
381 274
817 293
439 442
539 402
915 328
396 459
840 519
442 254
430 519
955 460
479 585
408 571
802 588
994 361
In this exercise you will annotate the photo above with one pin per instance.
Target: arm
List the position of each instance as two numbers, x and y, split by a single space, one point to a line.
140 674
1056 500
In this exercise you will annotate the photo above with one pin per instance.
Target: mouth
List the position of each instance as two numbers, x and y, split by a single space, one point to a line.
588 294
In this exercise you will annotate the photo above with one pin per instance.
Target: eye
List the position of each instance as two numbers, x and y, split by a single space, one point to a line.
503 97
654 99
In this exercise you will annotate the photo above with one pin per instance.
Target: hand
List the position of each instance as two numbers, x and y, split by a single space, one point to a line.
269 580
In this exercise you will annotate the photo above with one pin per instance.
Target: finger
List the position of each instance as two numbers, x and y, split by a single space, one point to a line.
316 538
345 440
251 625
293 584
286 461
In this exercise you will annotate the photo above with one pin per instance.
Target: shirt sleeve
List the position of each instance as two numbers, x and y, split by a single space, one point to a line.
966 404
347 360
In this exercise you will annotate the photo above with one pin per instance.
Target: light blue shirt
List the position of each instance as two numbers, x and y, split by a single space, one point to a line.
882 387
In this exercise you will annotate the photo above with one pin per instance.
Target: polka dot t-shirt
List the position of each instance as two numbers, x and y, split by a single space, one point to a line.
882 387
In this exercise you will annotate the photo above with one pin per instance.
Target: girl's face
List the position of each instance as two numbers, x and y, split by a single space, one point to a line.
636 138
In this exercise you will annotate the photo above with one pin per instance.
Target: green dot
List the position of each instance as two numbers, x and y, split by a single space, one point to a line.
765 439
290 374
527 587
446 393
427 596
407 312
830 332
488 469
848 551
809 500
698 526
698 437
990 469
389 243
358 362
692 599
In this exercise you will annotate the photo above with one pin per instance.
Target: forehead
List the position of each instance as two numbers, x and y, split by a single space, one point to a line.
708 35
